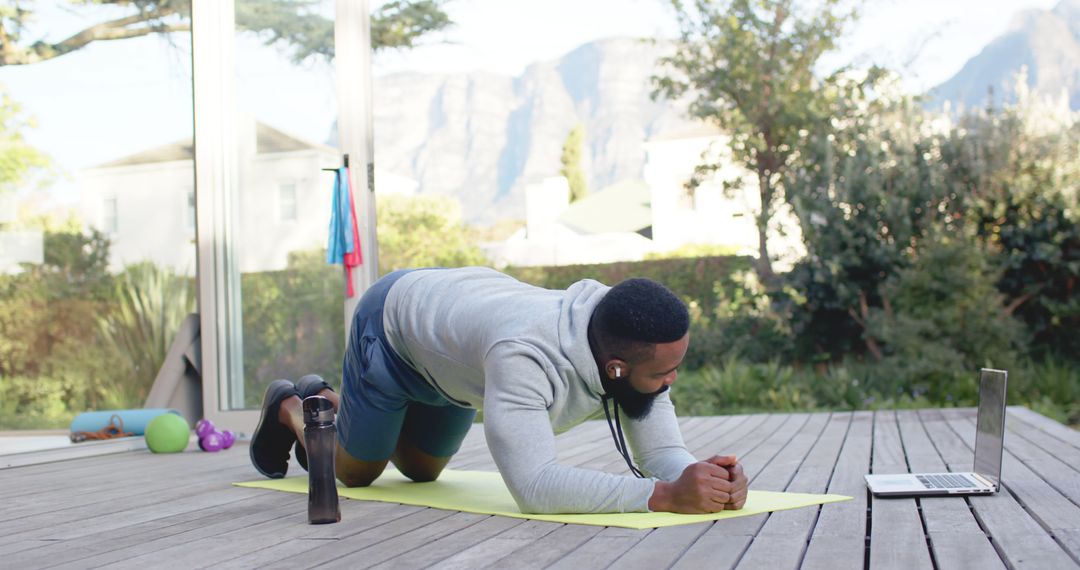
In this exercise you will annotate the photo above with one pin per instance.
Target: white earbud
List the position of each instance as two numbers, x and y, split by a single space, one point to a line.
618 371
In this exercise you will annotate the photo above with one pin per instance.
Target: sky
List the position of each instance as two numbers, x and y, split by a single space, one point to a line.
112 99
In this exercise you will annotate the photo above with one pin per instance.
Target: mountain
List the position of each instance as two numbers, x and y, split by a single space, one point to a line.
482 137
1046 42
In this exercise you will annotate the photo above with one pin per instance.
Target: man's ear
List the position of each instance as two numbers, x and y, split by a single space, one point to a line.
616 369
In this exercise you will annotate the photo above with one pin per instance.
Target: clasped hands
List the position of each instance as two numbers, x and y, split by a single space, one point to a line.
708 486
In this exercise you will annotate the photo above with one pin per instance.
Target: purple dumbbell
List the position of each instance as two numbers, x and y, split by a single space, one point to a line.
228 439
203 428
212 442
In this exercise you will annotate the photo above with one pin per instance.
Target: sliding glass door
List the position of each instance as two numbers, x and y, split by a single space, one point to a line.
267 150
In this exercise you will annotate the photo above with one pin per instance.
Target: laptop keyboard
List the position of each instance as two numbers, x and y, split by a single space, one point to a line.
946 481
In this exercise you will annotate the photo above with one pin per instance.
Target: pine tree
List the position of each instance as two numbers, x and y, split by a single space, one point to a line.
571 164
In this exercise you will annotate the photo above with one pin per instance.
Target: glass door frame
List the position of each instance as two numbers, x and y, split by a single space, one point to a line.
217 183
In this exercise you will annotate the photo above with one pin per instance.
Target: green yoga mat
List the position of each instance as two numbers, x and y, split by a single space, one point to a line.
484 492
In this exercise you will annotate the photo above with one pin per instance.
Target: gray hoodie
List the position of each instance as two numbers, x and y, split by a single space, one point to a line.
520 353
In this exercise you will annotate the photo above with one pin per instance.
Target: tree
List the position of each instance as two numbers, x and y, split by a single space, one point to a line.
17 158
867 189
748 66
887 187
571 164
423 231
293 23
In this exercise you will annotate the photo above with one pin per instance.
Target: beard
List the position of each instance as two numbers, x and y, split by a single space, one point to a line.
635 404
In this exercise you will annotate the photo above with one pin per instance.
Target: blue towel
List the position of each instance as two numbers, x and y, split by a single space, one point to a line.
341 222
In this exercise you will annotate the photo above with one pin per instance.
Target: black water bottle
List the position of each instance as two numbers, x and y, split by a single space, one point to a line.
320 439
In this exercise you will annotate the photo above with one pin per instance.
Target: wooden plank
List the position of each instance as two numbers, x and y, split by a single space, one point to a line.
897 537
712 430
1019 538
1055 470
781 541
116 549
692 428
1054 511
738 437
769 466
600 550
601 454
1051 427
839 538
74 523
1040 442
431 553
661 547
98 491
547 550
599 440
359 519
500 546
337 540
748 437
48 477
745 432
956 539
63 551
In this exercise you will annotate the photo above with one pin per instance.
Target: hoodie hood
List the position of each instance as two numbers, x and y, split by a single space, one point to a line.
581 300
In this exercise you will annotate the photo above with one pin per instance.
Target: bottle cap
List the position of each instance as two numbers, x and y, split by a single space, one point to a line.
318 410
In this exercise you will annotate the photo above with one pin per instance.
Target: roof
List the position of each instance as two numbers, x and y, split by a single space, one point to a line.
625 207
267 140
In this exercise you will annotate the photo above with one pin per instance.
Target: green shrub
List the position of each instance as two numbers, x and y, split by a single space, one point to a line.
738 386
701 282
34 403
150 303
943 314
293 322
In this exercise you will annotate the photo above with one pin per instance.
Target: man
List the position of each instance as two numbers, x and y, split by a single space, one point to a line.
429 347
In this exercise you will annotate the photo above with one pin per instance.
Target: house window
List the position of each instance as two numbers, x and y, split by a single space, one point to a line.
110 221
191 209
287 202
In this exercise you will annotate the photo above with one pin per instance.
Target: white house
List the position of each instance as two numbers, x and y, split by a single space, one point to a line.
709 215
631 219
146 202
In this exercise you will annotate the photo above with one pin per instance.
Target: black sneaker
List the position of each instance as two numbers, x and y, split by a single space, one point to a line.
309 385
272 439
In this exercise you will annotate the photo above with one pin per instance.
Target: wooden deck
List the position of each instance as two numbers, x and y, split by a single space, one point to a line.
137 510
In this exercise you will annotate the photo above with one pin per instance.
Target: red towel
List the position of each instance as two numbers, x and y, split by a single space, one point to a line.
355 257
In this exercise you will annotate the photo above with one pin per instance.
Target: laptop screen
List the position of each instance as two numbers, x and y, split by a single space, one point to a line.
990 433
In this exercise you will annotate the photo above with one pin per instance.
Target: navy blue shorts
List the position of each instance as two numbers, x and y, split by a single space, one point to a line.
384 399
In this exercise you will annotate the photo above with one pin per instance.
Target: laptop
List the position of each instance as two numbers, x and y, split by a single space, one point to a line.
989 440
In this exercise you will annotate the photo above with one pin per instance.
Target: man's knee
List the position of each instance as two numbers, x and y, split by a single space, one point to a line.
417 465
421 474
354 479
353 472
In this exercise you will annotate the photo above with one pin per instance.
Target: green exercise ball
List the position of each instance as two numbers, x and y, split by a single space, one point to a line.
167 433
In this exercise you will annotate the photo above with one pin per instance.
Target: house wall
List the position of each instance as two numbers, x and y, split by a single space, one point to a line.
265 238
709 215
153 215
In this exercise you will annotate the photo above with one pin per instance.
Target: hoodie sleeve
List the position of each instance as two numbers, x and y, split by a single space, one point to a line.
519 435
657 443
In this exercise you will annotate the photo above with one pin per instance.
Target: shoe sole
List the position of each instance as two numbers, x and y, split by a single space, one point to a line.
275 391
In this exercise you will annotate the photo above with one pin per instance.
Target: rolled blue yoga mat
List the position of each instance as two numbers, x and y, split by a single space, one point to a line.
134 420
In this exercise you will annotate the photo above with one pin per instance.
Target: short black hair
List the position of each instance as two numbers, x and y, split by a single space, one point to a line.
634 316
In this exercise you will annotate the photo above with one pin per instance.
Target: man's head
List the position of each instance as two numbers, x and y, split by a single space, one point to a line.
638 335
